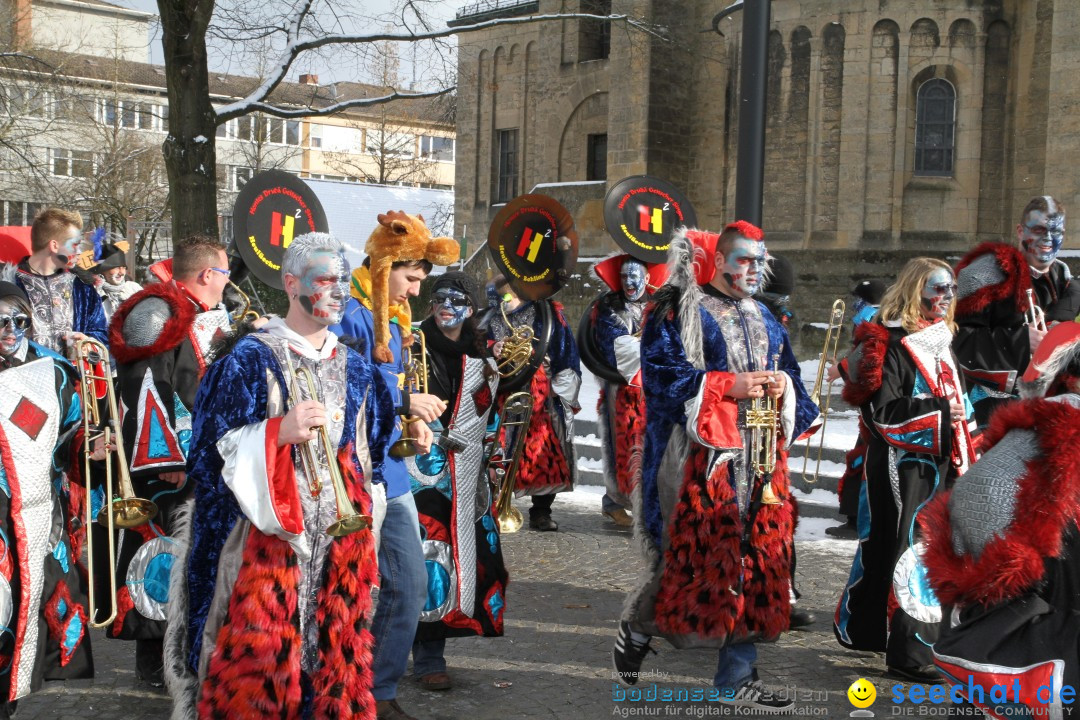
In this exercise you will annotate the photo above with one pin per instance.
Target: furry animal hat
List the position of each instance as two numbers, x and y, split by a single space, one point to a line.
399 238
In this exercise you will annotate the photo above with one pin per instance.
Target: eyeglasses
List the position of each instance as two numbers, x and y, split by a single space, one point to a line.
19 322
442 298
223 271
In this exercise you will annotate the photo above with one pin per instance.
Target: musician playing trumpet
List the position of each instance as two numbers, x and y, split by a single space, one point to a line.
276 614
716 531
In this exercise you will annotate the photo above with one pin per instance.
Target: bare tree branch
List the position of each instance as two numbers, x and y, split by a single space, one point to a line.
237 110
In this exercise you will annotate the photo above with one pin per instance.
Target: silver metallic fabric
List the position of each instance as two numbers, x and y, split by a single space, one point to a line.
50 301
145 321
983 271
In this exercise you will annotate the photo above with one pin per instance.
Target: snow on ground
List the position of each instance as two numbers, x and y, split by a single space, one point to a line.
586 496
812 530
588 396
589 439
590 465
817 496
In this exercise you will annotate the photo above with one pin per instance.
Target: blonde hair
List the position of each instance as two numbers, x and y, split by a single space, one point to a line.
52 224
903 301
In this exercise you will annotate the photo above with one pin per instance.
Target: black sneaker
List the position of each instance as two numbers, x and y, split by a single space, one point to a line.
627 656
757 695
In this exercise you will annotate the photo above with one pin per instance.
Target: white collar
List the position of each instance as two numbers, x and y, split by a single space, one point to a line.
276 326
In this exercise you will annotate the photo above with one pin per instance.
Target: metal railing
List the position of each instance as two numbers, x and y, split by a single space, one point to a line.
486 6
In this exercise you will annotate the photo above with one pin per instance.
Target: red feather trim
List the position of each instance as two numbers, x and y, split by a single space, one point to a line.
1048 499
543 463
182 314
629 426
871 341
124 605
1015 285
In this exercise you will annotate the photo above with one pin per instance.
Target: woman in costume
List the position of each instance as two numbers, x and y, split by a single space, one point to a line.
462 549
905 379
43 610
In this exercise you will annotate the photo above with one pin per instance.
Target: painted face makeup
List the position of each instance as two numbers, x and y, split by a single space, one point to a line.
68 253
13 326
115 276
324 287
1042 237
450 307
938 294
632 278
744 266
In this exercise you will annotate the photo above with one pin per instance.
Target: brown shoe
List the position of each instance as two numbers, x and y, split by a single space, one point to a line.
390 710
435 681
619 516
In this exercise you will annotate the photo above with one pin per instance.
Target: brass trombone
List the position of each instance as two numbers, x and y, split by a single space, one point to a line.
124 511
416 381
517 412
763 421
828 354
348 520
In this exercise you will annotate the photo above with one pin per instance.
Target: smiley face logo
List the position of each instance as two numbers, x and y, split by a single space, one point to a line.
862 693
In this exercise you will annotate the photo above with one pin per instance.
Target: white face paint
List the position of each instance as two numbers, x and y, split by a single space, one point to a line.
13 326
744 266
938 294
1041 237
324 287
115 276
450 307
632 278
68 252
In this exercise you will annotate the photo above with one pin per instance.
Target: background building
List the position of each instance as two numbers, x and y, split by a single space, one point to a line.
895 127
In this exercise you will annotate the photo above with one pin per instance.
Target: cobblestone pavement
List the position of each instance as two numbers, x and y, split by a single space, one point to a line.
566 591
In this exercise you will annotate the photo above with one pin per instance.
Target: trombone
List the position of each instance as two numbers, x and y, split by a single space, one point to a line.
124 511
517 412
763 422
348 520
828 354
416 381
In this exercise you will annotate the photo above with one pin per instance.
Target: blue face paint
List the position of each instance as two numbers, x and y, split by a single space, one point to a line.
633 277
13 326
938 294
450 307
1043 236
324 287
744 266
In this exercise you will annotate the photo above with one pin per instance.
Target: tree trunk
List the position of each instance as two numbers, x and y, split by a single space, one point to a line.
189 151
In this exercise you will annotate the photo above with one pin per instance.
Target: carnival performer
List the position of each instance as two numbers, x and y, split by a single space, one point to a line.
548 465
466 588
404 243
903 376
1002 548
717 550
161 341
274 621
42 580
112 282
616 327
65 308
995 339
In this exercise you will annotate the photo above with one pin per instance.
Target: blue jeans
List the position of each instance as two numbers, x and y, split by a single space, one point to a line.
428 657
735 666
402 594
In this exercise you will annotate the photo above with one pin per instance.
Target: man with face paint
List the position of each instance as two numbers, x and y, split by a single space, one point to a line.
65 308
615 324
160 339
466 589
270 594
112 282
708 350
994 341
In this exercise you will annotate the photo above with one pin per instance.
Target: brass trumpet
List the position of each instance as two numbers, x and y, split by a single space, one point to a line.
1035 317
763 421
124 511
517 412
416 381
517 349
828 354
348 520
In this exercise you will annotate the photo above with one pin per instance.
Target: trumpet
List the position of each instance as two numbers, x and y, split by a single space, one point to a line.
763 421
828 354
348 520
246 314
416 381
517 349
1035 317
517 412
123 511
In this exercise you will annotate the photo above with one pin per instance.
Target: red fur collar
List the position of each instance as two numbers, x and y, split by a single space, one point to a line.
1048 500
1015 285
871 342
182 314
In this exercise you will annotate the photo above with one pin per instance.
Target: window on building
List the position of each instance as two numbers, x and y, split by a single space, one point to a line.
292 132
238 177
596 166
72 163
222 129
14 213
388 142
243 128
315 135
437 148
935 128
32 102
508 165
594 42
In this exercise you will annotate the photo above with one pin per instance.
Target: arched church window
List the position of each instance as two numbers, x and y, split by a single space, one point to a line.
935 128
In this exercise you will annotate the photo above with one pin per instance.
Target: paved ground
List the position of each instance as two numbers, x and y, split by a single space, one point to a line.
564 599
